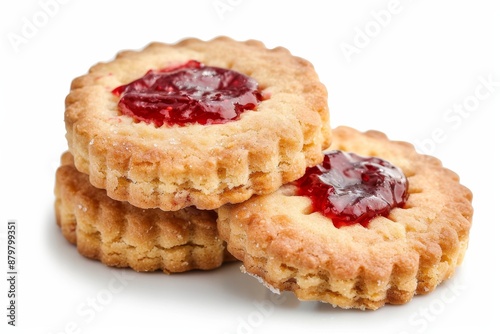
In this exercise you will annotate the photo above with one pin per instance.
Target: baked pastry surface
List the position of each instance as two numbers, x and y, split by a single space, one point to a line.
289 247
121 235
172 167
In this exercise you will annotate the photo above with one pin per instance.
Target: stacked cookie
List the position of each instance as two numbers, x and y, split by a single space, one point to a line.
187 155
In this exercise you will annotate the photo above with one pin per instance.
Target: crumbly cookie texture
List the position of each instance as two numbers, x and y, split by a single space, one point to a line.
409 252
121 235
172 167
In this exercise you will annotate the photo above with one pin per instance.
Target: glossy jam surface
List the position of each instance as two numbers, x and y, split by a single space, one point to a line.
350 189
187 94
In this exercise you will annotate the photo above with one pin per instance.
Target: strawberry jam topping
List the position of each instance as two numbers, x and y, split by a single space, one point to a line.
350 189
187 94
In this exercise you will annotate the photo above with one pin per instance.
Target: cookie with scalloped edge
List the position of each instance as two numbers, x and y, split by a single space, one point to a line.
121 235
171 166
287 246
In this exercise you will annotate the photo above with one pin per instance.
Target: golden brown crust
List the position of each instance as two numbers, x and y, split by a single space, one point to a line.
204 166
119 234
410 252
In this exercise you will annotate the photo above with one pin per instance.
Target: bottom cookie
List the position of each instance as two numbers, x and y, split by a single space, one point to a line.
287 245
121 235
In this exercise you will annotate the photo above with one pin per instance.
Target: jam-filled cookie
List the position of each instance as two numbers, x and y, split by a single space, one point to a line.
121 235
374 223
199 123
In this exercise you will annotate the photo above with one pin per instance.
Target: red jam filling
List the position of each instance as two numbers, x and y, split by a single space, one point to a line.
350 189
187 94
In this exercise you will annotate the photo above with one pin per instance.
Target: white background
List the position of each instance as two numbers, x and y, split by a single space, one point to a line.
407 75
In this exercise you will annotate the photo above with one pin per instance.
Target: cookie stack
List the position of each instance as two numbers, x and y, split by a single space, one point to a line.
183 156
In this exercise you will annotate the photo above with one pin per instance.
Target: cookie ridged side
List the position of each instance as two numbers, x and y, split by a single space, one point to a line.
205 166
410 252
121 235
